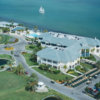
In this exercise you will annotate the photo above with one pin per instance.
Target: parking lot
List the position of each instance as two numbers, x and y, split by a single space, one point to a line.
93 81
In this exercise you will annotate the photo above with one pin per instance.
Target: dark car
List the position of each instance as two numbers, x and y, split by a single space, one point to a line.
16 55
52 81
26 72
83 92
95 76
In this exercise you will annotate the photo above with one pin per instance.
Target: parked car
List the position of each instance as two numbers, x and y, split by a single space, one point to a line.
16 55
83 92
88 82
95 76
52 81
26 72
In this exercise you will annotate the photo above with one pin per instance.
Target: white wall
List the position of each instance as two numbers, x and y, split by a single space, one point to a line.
70 65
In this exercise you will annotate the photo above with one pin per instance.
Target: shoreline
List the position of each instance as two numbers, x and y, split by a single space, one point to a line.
40 28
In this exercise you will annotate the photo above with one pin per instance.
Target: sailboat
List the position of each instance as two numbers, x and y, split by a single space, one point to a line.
41 10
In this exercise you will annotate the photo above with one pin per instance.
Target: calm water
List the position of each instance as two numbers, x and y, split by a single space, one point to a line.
80 17
3 61
52 98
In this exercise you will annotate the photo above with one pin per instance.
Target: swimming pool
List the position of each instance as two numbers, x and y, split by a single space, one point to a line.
32 35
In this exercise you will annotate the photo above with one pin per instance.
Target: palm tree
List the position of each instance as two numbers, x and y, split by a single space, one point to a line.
32 40
10 64
19 69
32 82
45 30
65 67
35 28
12 52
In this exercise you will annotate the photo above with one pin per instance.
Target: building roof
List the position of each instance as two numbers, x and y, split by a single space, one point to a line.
18 28
69 54
64 56
47 37
55 40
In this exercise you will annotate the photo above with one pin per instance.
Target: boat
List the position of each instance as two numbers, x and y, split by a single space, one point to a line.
41 10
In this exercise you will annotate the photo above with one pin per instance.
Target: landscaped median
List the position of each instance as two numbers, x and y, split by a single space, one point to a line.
9 48
12 87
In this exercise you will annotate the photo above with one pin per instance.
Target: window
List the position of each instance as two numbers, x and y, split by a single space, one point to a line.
40 38
43 42
44 59
55 62
49 60
97 46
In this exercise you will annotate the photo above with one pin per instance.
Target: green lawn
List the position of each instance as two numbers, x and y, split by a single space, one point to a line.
59 76
91 57
86 66
5 56
78 68
30 47
27 57
73 72
4 39
12 88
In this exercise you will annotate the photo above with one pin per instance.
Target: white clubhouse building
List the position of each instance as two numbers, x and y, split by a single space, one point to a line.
65 50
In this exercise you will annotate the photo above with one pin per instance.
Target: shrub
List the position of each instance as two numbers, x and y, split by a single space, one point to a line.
2 67
24 53
56 71
16 40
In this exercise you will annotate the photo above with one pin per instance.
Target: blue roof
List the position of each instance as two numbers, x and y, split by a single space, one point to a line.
64 56
55 40
18 28
69 54
90 41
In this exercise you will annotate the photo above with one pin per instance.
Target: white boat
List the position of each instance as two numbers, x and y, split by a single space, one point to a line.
41 10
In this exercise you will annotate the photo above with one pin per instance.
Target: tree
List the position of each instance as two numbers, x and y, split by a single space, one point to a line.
32 40
33 57
5 29
31 82
56 71
12 52
97 85
10 64
42 66
26 29
35 28
19 69
97 96
20 25
65 66
45 30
